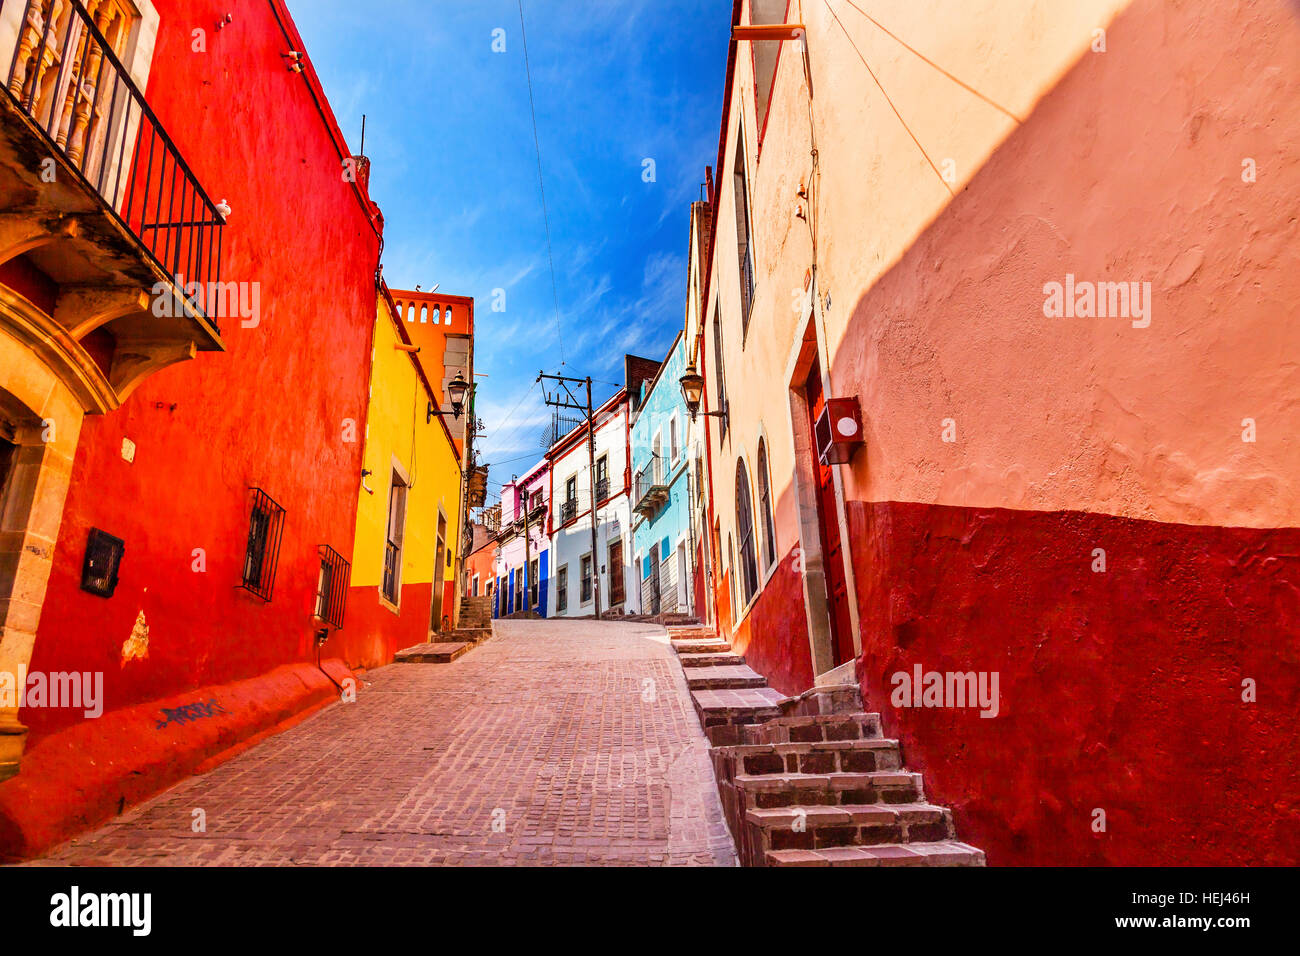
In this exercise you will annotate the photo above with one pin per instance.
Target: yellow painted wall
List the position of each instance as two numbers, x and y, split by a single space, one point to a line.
396 430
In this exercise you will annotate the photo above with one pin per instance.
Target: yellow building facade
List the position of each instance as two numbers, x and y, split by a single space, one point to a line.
409 503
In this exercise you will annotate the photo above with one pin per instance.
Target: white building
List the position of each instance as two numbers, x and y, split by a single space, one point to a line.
577 572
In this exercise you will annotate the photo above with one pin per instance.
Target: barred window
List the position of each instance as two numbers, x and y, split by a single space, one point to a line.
262 554
332 586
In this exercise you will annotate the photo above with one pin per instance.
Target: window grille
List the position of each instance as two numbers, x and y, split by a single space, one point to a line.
103 559
265 528
332 586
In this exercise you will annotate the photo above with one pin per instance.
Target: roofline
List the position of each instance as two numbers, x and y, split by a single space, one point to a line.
294 39
387 296
722 152
662 365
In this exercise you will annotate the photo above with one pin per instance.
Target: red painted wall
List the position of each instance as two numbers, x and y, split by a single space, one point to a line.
270 412
481 562
372 633
1119 690
1122 690
773 636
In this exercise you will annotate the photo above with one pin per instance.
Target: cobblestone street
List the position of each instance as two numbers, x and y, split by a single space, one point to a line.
576 739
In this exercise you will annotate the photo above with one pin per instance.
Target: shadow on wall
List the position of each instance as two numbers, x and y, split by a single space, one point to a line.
1121 683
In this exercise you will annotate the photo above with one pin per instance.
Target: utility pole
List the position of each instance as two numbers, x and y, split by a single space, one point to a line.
591 478
563 397
528 564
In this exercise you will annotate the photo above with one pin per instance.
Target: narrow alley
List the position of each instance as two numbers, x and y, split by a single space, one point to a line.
553 743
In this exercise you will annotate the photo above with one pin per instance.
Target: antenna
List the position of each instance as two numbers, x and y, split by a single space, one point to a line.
363 134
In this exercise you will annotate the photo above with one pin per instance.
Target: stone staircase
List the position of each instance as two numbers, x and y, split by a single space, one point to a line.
475 613
810 780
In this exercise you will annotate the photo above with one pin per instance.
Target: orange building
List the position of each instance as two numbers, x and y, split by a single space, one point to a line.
1003 287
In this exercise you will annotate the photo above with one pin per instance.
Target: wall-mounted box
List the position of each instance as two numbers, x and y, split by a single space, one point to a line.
839 431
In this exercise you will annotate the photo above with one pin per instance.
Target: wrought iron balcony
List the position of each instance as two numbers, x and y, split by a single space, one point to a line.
602 489
569 510
96 195
649 491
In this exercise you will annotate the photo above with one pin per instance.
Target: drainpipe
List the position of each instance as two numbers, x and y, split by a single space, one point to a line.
322 636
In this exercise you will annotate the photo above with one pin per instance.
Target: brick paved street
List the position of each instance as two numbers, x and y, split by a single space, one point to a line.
544 729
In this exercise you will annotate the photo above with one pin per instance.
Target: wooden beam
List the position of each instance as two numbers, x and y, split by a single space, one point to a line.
768 31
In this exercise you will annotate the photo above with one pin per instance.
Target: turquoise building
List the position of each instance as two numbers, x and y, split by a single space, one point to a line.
661 489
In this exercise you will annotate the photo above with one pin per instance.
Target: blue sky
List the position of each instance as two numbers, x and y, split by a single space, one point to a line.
450 137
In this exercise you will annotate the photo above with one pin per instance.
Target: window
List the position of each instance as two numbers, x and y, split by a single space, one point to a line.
765 56
765 506
332 586
744 244
103 559
562 589
570 509
745 530
586 578
656 460
735 604
674 448
262 553
602 477
536 501
717 365
393 542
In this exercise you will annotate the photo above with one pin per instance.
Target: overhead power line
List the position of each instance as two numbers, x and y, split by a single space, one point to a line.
541 184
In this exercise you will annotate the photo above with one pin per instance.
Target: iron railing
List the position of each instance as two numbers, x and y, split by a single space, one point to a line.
602 488
568 510
66 77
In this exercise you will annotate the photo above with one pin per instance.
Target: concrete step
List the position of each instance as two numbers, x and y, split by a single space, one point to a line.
722 658
945 853
810 729
708 646
834 756
726 712
691 633
723 677
765 791
462 635
816 827
440 652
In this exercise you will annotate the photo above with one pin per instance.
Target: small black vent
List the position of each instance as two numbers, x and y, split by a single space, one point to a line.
103 558
332 587
265 526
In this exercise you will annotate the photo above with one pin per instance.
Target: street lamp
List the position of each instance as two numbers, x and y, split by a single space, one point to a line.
693 391
456 391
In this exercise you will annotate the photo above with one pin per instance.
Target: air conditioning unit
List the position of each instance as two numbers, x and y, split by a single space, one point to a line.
839 431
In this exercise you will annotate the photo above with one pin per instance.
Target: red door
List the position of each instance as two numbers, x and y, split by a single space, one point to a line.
837 589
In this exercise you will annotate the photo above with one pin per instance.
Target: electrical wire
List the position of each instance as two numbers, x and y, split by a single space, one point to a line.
880 86
541 185
925 59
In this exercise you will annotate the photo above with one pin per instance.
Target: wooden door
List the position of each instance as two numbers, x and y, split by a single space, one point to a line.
837 589
616 592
